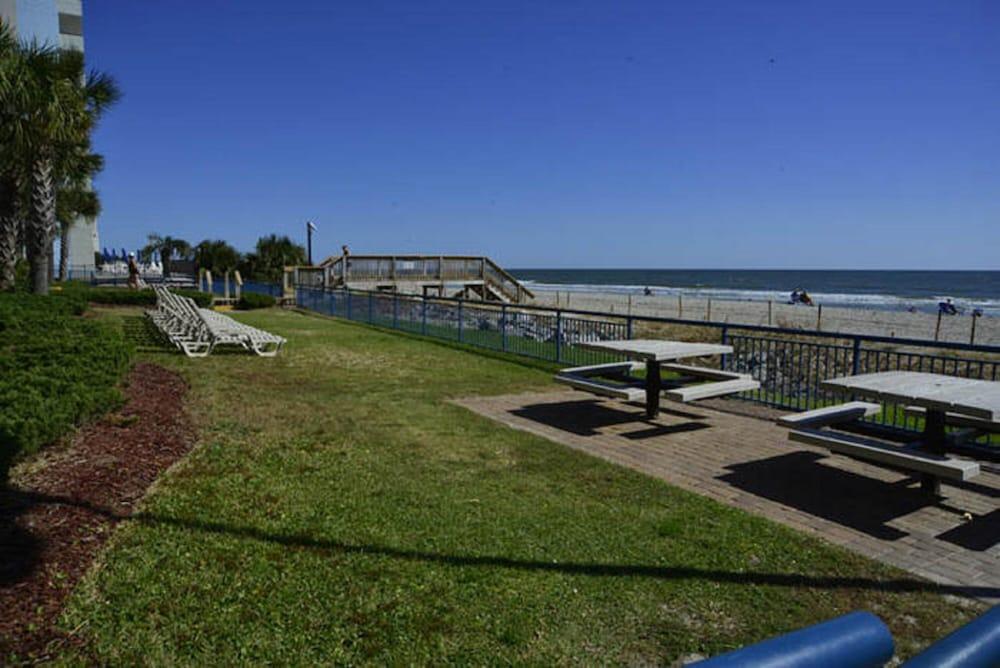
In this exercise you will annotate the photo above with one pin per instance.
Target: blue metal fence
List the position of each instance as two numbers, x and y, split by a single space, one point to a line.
789 363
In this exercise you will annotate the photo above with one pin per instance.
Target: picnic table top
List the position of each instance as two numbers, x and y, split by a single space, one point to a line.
658 350
968 396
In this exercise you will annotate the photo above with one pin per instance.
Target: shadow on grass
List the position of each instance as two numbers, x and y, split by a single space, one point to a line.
591 569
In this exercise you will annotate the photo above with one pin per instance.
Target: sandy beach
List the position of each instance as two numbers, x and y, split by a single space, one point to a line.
899 324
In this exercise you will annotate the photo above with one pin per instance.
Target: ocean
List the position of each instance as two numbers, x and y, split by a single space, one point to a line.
888 290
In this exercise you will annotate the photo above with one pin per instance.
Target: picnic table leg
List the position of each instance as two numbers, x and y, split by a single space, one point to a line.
935 440
653 387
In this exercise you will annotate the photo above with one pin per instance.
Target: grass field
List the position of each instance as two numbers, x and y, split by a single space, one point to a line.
338 510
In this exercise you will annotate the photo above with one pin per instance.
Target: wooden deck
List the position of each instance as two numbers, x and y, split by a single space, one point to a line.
748 463
438 275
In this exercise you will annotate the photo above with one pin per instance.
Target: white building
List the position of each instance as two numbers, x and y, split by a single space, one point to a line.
57 22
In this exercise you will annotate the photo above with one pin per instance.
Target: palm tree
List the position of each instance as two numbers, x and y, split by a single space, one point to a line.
10 225
49 107
217 256
75 197
166 247
73 203
273 254
10 192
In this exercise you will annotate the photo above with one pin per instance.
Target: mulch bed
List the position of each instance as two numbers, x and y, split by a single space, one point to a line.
55 518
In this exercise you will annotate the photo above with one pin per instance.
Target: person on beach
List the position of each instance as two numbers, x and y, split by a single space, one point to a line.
646 291
345 250
947 307
133 272
800 296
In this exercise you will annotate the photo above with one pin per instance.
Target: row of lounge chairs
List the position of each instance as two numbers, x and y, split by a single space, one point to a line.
197 331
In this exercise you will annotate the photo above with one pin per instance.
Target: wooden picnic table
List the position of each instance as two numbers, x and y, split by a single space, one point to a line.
655 352
941 399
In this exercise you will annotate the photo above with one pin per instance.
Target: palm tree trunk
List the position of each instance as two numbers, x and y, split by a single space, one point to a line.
9 232
42 224
64 252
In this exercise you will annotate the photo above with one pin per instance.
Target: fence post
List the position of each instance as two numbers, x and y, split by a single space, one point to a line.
708 312
503 328
371 307
972 334
770 304
395 310
937 327
856 361
558 336
423 317
819 318
680 307
628 327
724 359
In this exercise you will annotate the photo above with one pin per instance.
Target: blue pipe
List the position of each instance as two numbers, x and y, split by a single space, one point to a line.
855 640
975 645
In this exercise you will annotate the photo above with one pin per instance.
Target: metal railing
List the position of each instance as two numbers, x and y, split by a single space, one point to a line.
789 363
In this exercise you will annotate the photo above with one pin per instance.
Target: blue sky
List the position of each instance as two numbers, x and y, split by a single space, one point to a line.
561 134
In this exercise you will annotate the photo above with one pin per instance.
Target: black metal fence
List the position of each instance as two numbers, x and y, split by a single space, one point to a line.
789 363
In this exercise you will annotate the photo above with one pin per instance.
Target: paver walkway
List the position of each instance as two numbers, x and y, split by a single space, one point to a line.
750 463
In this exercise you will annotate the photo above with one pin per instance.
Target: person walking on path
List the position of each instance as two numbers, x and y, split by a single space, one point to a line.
133 272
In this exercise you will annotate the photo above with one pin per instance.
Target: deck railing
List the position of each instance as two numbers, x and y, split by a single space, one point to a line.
343 270
789 363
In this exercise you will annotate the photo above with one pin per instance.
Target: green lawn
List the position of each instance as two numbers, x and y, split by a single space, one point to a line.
338 510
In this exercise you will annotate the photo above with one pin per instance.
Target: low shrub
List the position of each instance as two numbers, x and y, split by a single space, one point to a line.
124 297
56 369
252 300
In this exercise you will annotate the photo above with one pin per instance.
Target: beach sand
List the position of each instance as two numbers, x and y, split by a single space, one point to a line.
898 324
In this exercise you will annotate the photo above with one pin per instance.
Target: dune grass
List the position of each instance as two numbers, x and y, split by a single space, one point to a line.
339 510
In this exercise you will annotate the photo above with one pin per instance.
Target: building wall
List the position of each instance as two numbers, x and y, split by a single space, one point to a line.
38 20
8 12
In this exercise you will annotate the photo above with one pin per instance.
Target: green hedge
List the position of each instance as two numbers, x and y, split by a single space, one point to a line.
56 369
125 297
252 300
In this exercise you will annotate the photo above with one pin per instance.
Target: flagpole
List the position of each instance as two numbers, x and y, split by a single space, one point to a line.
309 240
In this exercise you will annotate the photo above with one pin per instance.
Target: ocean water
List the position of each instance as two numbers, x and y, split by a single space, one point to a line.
890 290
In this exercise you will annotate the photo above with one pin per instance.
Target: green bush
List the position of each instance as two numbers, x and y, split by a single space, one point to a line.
56 369
124 297
252 300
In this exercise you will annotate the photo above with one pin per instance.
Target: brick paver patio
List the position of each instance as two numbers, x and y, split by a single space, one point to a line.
750 463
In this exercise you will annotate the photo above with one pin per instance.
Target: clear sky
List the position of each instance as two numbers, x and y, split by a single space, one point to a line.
848 134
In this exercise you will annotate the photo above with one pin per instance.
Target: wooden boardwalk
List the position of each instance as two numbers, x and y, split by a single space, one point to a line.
749 463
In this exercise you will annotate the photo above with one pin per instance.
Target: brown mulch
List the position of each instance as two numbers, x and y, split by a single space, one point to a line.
55 518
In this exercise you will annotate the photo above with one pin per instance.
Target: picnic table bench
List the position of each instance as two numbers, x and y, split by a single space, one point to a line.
941 401
616 379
